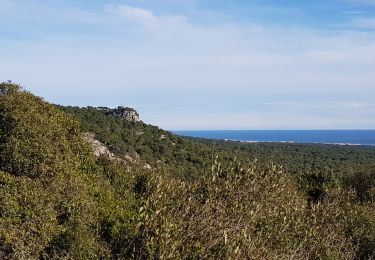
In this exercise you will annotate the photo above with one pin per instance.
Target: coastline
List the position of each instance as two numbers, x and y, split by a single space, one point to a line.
322 137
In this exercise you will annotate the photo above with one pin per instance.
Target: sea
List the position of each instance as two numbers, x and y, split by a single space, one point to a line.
339 137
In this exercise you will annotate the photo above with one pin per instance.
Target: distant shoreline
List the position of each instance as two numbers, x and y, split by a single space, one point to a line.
323 137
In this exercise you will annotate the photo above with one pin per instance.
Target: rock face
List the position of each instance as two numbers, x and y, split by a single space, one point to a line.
100 149
125 113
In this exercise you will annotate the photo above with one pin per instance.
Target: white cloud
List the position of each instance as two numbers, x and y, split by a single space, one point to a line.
143 17
247 60
134 14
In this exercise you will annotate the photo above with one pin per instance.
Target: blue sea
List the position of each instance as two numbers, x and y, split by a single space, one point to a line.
343 137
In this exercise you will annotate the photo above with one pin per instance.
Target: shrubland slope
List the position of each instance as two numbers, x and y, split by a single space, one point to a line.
201 198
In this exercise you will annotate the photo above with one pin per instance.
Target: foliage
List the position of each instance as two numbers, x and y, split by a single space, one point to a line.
241 212
59 202
362 180
36 139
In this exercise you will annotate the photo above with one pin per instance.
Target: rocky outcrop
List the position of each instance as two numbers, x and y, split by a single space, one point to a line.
100 149
125 113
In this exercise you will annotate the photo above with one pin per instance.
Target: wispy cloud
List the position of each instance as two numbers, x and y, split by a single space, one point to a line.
139 16
134 14
352 12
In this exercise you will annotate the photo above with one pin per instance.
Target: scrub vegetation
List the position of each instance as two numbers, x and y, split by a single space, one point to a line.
201 199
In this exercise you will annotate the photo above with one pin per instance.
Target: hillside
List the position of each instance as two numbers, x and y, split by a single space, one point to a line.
200 199
189 157
156 145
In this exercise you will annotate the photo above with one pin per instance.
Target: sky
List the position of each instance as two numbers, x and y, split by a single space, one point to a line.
199 64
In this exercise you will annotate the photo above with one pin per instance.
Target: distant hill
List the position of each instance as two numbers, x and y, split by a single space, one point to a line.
190 155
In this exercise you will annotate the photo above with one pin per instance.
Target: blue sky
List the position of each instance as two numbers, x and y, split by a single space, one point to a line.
199 64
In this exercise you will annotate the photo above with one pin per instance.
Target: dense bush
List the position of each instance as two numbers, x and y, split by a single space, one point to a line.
251 211
36 139
362 180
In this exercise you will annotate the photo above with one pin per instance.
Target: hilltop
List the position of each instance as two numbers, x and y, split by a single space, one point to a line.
124 113
61 199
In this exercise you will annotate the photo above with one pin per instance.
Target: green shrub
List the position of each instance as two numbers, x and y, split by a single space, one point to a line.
362 181
240 212
37 139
